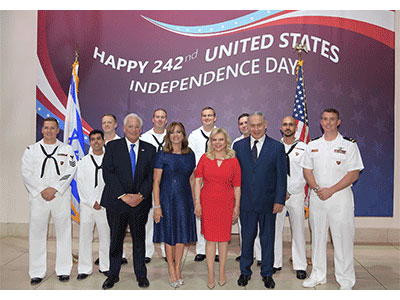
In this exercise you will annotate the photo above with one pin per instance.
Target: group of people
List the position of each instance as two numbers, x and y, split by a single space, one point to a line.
175 189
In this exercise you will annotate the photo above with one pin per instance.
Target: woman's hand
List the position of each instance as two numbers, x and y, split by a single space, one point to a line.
157 214
235 215
197 209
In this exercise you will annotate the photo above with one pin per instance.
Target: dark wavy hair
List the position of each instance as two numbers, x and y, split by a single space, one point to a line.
168 145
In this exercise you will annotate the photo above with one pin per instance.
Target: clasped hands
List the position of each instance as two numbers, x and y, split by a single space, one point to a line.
48 194
132 199
324 193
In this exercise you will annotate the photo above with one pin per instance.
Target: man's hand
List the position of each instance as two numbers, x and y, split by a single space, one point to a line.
277 208
132 199
97 206
325 193
49 193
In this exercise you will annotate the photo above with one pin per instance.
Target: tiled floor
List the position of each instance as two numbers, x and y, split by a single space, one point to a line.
377 268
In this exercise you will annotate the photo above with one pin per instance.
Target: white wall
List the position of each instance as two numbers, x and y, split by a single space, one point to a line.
18 31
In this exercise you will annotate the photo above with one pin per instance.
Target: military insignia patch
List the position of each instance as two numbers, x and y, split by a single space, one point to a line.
62 154
338 162
297 153
72 163
314 150
61 162
340 150
65 177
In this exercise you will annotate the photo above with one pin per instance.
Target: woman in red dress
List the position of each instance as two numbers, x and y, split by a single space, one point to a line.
217 199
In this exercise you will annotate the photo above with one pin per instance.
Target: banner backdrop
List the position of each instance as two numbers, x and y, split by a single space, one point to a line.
234 61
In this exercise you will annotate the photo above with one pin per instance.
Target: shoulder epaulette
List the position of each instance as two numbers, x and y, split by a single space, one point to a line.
316 138
349 139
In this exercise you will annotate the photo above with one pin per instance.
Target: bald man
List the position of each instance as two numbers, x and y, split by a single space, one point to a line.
294 203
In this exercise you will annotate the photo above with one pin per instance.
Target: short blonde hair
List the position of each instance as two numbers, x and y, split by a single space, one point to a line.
229 152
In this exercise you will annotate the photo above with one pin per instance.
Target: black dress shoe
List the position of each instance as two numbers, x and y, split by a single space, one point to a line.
165 259
269 283
237 258
63 278
258 263
143 282
105 273
243 280
82 276
124 261
36 280
274 270
109 283
96 262
147 260
199 257
300 274
216 259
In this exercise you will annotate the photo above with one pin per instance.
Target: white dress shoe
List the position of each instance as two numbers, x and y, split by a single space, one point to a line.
310 283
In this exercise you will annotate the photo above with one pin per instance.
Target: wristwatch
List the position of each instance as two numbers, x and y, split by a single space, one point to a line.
316 189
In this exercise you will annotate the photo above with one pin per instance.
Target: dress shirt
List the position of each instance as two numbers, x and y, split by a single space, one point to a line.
259 145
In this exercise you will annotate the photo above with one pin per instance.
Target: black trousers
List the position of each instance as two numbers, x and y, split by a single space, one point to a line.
118 222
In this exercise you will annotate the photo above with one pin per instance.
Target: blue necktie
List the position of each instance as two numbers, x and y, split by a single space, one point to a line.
133 160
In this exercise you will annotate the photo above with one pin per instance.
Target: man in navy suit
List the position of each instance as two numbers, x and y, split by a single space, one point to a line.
263 165
128 176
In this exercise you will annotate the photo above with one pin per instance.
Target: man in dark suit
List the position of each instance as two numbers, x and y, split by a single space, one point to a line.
128 176
263 165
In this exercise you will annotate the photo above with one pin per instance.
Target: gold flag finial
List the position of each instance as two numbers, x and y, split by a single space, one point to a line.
76 52
299 48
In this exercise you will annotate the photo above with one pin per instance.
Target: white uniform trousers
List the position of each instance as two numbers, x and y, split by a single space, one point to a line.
40 210
336 213
295 206
149 236
257 244
88 218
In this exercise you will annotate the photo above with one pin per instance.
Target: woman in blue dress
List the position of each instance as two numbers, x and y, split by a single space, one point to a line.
173 201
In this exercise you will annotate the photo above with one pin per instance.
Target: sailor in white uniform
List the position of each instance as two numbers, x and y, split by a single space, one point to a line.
331 164
90 183
294 204
198 142
48 168
109 125
154 136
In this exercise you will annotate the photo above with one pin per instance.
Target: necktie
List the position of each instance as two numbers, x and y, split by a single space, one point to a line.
254 151
206 137
133 160
45 160
288 159
96 173
160 145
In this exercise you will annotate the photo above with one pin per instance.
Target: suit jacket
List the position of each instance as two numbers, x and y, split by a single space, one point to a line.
117 174
263 181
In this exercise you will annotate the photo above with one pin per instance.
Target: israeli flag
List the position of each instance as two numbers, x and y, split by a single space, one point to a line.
73 134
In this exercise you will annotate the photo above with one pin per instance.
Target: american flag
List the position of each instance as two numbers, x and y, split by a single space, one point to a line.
301 117
300 108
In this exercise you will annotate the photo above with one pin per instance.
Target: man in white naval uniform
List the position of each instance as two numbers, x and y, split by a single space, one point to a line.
198 142
331 164
294 203
47 170
243 120
109 124
154 136
90 183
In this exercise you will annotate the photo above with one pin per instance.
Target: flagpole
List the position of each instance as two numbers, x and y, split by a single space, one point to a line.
300 48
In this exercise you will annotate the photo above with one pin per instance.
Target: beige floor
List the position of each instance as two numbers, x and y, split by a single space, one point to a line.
377 268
